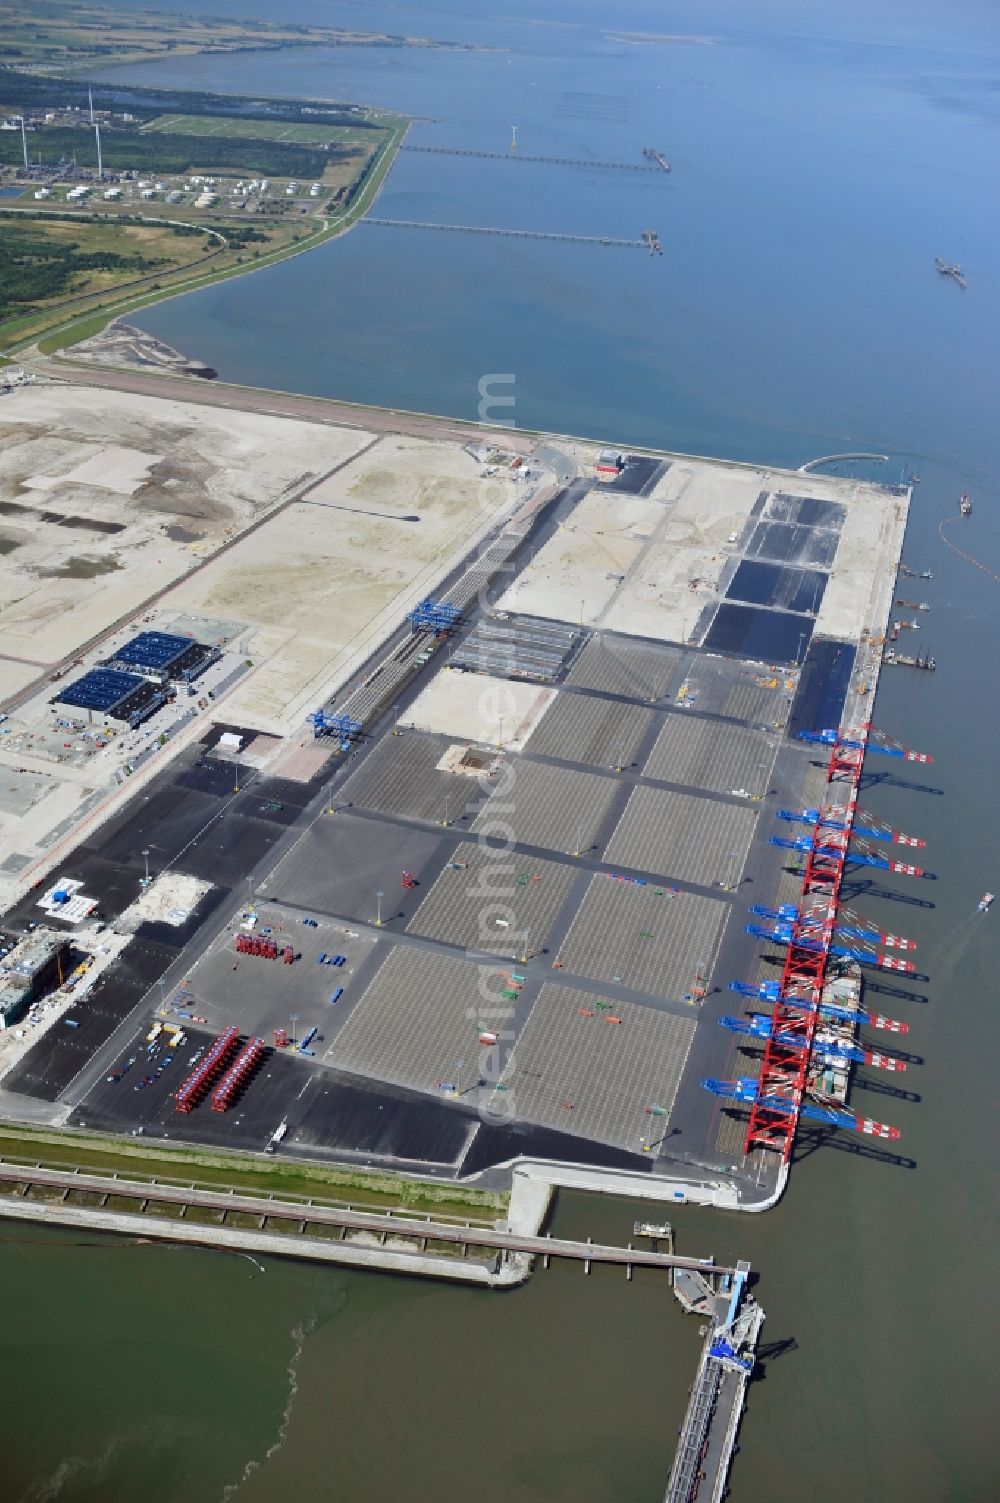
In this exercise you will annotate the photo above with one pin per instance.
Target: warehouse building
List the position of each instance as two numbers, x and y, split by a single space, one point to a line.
115 695
164 657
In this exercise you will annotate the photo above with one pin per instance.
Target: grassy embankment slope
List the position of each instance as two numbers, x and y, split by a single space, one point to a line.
245 1173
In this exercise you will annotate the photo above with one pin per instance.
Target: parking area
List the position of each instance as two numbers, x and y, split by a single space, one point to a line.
584 728
344 859
650 938
127 1106
596 1071
487 900
257 995
417 1023
698 840
552 807
705 754
618 665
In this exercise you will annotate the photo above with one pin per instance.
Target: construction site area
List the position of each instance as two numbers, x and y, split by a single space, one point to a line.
288 550
496 908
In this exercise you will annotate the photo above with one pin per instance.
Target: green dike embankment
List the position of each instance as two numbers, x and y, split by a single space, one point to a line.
89 323
137 1159
250 1205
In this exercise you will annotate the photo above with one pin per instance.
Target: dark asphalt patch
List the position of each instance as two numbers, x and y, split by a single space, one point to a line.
347 1116
823 685
772 584
637 478
786 543
165 823
230 848
317 876
497 1145
751 632
212 777
807 510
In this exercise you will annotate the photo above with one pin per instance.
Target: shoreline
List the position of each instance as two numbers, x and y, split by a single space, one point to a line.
88 324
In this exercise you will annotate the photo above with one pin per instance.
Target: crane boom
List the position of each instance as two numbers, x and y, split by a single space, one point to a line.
745 1090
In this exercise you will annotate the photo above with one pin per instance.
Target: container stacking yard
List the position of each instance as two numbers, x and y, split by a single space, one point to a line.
529 847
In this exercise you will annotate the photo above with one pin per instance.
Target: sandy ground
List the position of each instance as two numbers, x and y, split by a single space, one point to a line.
168 899
868 526
476 707
650 567
678 573
303 579
14 676
576 574
325 582
91 481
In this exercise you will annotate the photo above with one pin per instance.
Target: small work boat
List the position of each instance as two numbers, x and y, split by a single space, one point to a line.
985 902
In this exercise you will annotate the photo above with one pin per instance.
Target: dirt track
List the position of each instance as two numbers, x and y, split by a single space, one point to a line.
275 403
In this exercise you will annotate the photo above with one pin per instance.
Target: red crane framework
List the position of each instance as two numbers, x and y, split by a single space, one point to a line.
784 1070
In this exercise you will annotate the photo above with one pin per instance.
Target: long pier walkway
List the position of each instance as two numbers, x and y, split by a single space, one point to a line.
486 229
708 1435
517 156
272 1213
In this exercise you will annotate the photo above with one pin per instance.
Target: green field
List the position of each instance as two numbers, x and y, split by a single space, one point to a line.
71 34
235 128
244 1173
62 329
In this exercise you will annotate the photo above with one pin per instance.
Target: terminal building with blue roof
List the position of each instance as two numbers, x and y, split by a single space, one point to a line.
114 695
165 657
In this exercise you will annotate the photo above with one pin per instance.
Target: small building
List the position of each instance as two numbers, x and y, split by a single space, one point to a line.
610 462
66 901
164 657
31 968
127 697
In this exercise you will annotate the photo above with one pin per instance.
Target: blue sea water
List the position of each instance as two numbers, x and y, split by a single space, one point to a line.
823 155
796 306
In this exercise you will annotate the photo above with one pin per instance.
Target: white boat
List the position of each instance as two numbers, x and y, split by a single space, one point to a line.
985 902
